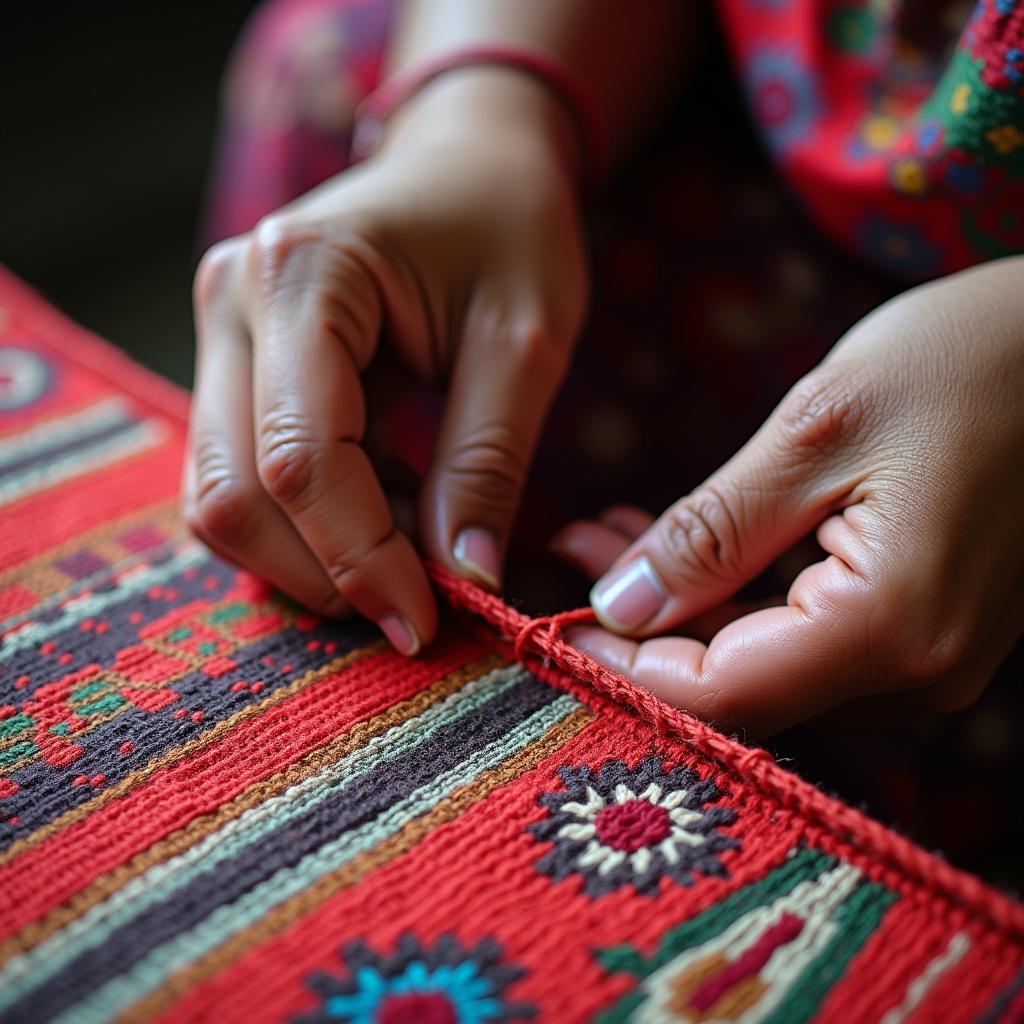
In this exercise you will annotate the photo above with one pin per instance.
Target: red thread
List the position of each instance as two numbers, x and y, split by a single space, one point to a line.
554 624
756 768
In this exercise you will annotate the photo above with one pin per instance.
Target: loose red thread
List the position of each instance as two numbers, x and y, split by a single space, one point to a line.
546 630
542 638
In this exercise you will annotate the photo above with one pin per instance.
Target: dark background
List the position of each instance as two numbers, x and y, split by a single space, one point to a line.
109 121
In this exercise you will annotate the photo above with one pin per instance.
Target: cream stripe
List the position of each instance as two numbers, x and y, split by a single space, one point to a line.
402 842
35 968
919 988
84 460
176 954
140 578
118 566
207 739
59 431
104 886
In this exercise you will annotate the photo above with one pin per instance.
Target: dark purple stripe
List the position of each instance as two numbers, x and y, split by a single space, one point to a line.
79 443
345 810
47 792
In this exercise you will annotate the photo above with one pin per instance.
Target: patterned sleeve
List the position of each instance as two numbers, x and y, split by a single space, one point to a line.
900 127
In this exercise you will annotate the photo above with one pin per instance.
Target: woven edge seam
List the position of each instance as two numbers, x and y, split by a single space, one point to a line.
751 765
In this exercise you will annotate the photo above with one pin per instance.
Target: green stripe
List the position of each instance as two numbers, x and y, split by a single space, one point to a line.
856 919
36 967
804 865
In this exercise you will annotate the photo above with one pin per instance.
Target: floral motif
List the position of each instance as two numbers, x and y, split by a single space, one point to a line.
784 94
445 983
909 176
618 827
978 119
853 29
900 248
756 955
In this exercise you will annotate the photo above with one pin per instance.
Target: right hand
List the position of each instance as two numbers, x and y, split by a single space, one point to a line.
460 243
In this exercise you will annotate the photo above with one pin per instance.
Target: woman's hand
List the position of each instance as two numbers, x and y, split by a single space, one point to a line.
460 243
904 450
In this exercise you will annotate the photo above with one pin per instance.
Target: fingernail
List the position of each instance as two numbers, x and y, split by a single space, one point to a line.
627 597
402 636
476 551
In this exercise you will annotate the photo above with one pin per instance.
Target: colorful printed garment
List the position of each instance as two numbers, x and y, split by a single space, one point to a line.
899 123
214 806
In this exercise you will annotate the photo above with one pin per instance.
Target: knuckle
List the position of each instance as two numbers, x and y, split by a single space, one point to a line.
288 457
222 505
331 606
935 650
214 270
821 412
280 245
348 568
700 537
539 351
487 465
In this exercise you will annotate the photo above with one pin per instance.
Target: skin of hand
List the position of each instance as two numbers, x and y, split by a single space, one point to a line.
459 243
904 451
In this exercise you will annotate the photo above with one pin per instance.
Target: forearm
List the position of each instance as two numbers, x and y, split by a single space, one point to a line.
625 55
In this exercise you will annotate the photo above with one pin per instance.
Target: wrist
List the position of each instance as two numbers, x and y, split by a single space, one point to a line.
488 103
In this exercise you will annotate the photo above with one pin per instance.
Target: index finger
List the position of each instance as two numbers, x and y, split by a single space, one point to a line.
312 332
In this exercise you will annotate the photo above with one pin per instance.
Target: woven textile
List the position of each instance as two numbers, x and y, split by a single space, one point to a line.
214 806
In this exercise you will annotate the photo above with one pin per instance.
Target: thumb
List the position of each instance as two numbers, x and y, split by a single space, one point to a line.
783 483
505 378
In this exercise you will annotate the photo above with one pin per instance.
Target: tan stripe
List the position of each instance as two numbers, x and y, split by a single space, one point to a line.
287 913
130 782
52 580
197 829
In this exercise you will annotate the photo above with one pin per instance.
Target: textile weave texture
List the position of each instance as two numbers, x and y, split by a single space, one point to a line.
215 806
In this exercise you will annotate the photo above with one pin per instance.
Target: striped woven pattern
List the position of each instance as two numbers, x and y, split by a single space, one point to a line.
215 806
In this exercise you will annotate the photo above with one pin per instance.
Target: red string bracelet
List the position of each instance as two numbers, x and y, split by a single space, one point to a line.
556 75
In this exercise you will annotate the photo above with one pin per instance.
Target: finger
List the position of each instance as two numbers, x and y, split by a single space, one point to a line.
591 547
224 503
776 489
594 546
776 666
705 625
628 520
316 325
506 375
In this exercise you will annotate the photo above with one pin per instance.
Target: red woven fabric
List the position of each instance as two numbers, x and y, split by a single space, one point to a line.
215 806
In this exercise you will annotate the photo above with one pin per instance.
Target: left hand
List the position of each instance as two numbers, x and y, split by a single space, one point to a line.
904 450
